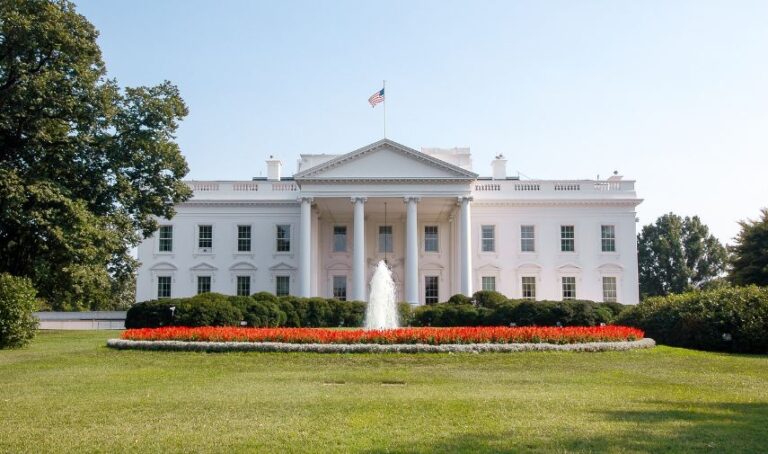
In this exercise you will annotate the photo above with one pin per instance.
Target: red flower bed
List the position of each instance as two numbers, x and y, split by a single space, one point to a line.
433 336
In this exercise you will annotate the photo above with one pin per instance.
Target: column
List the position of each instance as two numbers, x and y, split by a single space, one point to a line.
465 247
358 251
411 251
305 244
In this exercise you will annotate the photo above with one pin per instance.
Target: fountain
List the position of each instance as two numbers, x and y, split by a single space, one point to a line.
381 312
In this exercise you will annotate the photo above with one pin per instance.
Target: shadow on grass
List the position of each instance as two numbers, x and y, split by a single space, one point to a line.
675 427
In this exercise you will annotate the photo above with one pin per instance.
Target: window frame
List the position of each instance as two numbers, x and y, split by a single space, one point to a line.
278 280
428 238
608 240
428 287
200 282
483 238
524 240
238 288
160 285
524 286
239 238
334 287
334 238
391 244
571 282
286 239
564 239
161 239
484 280
615 298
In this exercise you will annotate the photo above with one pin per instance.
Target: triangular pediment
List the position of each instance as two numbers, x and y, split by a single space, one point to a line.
385 160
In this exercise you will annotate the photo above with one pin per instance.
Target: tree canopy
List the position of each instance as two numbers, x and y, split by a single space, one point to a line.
749 256
86 167
677 254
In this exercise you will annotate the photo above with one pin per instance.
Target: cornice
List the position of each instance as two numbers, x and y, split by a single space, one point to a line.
240 203
386 180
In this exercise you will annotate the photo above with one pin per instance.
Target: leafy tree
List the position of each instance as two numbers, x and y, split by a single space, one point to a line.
749 256
86 168
677 254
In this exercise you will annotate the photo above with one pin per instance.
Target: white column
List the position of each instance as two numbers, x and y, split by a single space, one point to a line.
411 251
358 251
305 243
465 247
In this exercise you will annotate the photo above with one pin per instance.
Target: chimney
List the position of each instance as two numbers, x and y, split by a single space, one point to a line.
274 168
499 168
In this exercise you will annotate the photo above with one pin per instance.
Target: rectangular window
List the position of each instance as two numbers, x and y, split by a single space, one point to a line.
385 238
283 238
488 238
608 238
205 236
243 285
282 285
527 238
529 287
340 287
340 238
164 287
569 288
609 289
243 238
166 238
489 283
203 284
567 238
430 238
431 292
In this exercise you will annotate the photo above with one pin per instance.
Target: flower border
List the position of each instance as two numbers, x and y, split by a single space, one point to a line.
123 344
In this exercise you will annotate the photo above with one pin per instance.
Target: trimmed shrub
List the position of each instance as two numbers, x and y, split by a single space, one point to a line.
404 314
346 313
207 309
488 298
459 299
259 313
724 319
17 303
150 314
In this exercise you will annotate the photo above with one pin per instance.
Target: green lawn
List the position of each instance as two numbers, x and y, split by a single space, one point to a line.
69 393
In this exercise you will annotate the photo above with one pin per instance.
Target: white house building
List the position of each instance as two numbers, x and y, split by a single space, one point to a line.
442 228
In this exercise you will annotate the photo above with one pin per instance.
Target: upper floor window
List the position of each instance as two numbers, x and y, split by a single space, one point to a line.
282 285
243 285
569 288
567 238
340 287
609 289
166 238
529 287
283 238
164 286
385 238
203 284
340 238
243 238
608 238
430 238
489 283
205 237
488 238
431 290
527 238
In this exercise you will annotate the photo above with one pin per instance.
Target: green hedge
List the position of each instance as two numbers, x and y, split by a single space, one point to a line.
725 319
17 304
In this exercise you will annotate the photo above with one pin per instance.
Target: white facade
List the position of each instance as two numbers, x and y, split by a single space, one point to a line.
451 232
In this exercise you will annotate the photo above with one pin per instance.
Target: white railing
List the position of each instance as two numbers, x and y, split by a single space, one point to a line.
487 187
554 188
284 187
246 186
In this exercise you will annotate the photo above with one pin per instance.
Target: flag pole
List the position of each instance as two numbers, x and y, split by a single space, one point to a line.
384 89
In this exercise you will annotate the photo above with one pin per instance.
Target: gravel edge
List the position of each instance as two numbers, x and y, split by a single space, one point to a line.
123 344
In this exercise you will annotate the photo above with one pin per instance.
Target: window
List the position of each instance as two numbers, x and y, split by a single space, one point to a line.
340 287
608 238
488 238
205 236
282 285
527 238
340 238
166 238
430 238
283 238
243 285
431 293
609 289
203 284
243 238
489 283
164 287
567 243
385 238
569 288
529 287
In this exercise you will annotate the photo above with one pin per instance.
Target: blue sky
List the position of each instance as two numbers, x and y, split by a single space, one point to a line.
671 93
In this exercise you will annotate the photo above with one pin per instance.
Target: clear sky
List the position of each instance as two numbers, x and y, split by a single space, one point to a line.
671 93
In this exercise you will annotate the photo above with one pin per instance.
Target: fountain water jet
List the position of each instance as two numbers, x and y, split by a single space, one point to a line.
381 312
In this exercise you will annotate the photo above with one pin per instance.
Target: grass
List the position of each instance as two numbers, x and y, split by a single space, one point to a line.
68 393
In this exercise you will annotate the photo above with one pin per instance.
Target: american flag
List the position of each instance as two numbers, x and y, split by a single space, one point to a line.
376 98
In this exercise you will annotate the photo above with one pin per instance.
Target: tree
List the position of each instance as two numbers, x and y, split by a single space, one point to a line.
749 256
86 168
677 254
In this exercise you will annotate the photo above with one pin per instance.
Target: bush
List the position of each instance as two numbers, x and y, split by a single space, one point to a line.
724 319
150 314
488 298
404 314
459 299
261 313
346 313
17 303
207 309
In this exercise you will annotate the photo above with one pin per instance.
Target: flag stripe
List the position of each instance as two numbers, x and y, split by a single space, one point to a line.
376 98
